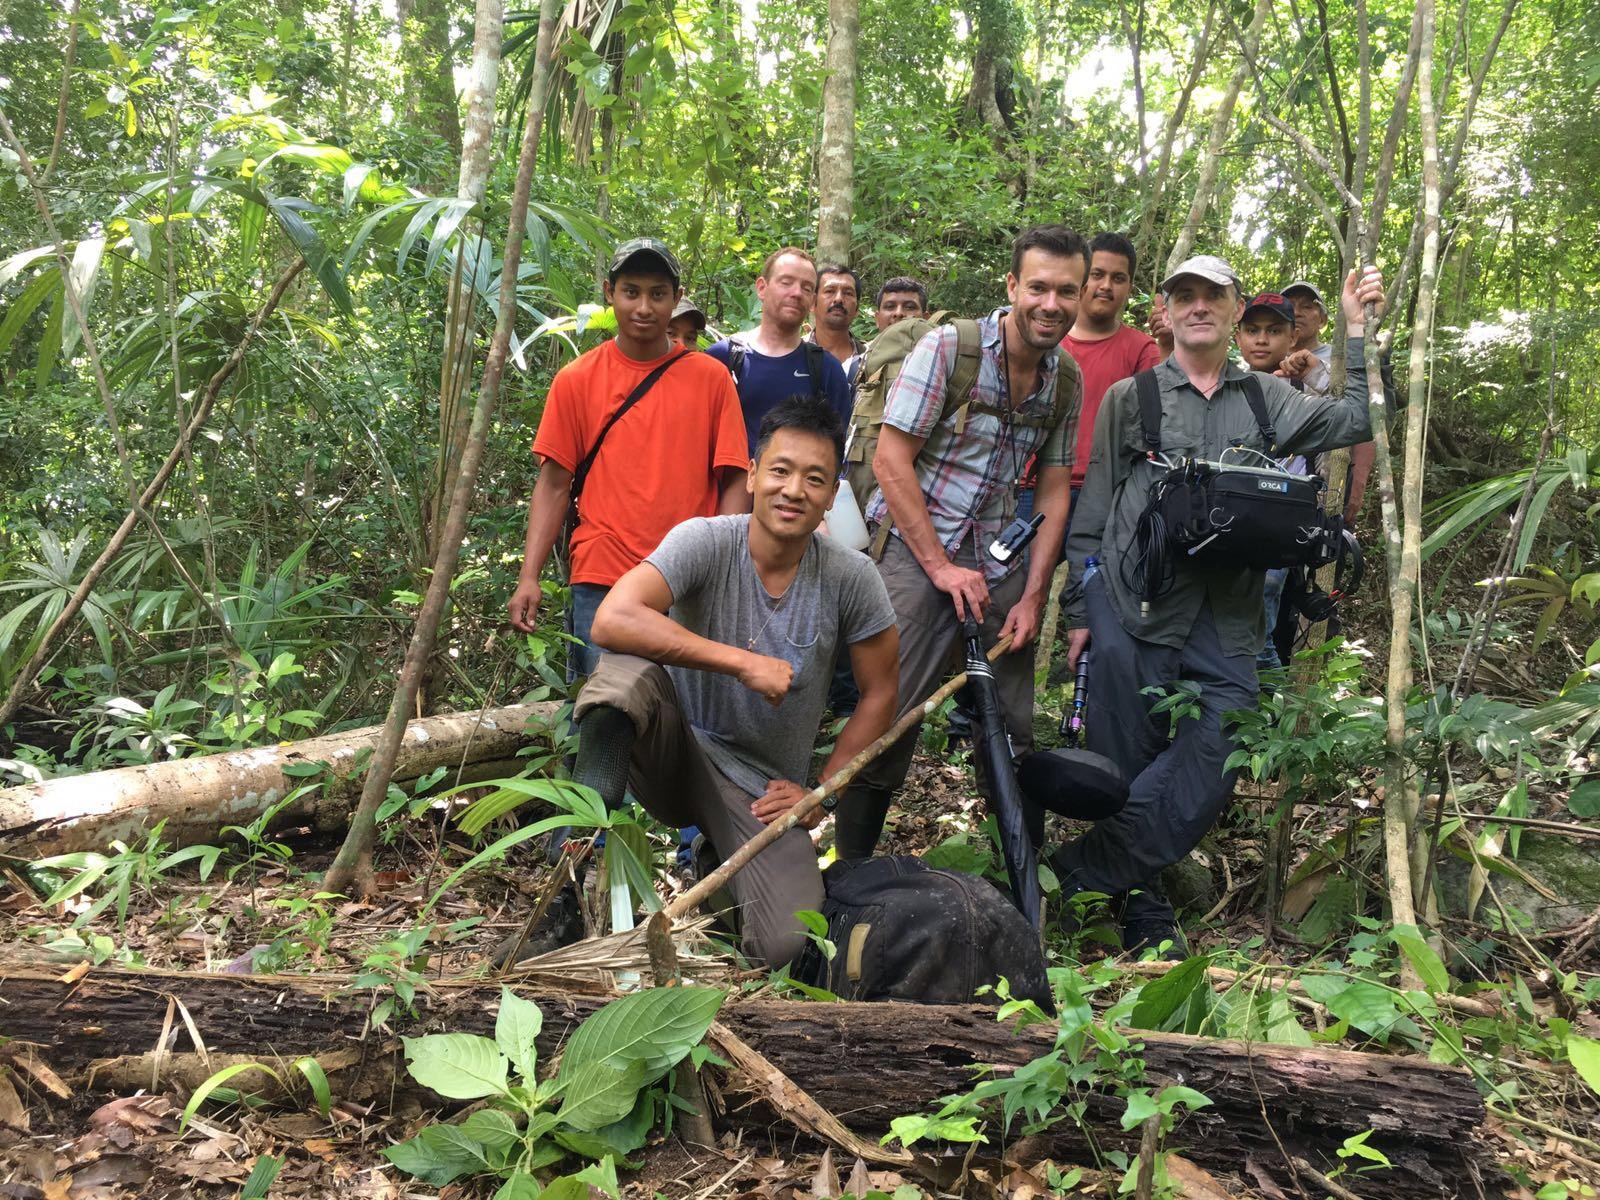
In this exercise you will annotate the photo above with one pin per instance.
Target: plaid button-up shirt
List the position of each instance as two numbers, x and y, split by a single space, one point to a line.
969 480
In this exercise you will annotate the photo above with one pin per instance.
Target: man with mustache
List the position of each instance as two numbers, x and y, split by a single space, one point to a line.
771 362
1206 628
838 302
947 470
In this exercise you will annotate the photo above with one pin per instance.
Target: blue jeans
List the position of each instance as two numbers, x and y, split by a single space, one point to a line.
583 655
1272 597
582 658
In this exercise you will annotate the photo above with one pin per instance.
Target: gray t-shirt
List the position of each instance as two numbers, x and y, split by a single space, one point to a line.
836 597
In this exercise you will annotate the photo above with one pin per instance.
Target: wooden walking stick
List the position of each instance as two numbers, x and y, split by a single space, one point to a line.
737 861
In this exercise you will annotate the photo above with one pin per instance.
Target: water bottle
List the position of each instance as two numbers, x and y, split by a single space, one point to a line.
1091 568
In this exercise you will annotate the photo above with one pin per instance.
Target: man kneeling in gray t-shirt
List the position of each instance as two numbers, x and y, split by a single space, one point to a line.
720 649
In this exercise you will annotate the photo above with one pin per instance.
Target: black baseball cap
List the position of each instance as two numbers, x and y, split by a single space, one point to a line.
1274 302
645 248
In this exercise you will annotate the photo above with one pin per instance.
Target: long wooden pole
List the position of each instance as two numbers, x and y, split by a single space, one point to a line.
740 858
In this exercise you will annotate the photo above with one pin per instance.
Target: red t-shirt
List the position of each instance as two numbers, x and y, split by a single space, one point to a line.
1122 355
657 467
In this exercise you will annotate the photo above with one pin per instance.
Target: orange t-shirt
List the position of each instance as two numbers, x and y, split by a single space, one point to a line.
658 465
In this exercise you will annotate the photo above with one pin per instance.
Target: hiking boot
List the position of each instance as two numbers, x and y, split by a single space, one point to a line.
1154 939
561 925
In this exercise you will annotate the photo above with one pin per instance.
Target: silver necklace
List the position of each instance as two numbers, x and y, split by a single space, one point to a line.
776 604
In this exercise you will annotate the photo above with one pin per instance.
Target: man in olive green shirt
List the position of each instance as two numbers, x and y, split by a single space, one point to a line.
1208 627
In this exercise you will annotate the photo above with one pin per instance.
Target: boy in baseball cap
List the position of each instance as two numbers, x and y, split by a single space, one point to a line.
1265 333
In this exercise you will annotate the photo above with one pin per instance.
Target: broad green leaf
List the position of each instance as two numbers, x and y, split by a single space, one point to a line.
85 274
1367 1006
1585 799
568 1187
598 1094
654 1027
1141 1107
912 1129
437 1155
1584 1055
516 1028
310 245
39 289
459 1066
1161 998
620 1138
1422 958
491 1128
519 1187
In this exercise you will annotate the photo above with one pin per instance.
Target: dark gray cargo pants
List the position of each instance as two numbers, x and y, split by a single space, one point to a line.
1178 785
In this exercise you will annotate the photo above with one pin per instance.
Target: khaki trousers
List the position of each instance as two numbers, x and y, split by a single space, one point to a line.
677 784
931 650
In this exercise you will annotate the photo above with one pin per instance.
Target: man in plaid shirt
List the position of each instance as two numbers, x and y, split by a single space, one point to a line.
947 471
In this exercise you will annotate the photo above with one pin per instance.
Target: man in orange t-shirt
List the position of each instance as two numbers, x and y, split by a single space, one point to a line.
679 452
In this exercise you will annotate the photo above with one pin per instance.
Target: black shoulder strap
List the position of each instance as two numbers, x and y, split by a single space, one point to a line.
1258 409
638 393
1149 408
736 354
814 365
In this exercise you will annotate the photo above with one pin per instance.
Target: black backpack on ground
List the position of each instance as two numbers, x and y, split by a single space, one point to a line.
903 930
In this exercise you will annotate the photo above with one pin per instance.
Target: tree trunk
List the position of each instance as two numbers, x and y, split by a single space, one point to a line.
867 1062
1153 188
352 866
543 57
1403 590
836 165
198 796
1205 189
428 70
477 145
982 97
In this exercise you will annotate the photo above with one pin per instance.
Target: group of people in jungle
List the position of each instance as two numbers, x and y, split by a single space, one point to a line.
715 620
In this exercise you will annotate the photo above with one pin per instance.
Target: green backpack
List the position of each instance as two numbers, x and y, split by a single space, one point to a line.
880 367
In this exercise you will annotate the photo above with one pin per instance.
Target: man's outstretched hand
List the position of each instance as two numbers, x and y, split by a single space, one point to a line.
781 796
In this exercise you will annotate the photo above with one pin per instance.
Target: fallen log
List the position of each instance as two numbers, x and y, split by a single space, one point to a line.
865 1063
198 796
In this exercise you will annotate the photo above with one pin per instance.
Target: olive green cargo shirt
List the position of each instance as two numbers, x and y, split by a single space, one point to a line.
1117 487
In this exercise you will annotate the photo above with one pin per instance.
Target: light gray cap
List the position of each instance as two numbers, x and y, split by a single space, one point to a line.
1208 267
1301 285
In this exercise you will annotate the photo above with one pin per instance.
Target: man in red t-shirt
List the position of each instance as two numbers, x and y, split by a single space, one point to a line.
1106 350
679 452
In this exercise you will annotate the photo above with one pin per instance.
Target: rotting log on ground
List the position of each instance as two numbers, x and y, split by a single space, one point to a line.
867 1063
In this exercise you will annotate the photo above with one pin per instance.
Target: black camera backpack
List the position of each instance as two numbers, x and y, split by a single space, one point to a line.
903 930
1235 515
